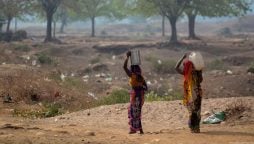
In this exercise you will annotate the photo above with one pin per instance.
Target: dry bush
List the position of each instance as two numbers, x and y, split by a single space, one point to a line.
235 109
23 85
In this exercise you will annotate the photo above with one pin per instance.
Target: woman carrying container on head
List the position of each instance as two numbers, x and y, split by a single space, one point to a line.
138 84
192 72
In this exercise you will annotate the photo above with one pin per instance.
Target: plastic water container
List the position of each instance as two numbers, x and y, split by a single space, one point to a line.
135 57
197 60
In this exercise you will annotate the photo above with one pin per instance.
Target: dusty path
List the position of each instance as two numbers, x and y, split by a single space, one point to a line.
164 123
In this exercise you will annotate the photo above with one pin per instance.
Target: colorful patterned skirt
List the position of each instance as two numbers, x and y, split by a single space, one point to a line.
134 110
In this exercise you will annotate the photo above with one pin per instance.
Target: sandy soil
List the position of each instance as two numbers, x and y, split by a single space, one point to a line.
163 122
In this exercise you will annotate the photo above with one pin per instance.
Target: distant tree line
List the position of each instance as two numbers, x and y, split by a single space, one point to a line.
64 11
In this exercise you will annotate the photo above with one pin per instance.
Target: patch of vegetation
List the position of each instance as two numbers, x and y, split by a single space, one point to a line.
122 96
95 60
19 35
216 65
48 110
73 82
152 96
10 36
165 67
45 59
162 66
251 68
53 110
22 47
116 97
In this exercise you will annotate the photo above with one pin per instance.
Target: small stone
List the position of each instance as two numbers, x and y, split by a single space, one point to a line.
89 133
229 72
72 125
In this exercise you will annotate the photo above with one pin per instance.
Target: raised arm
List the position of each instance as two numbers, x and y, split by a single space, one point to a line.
125 65
177 67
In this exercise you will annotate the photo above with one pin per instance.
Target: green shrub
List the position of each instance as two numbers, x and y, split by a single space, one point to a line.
52 110
44 59
116 97
19 35
216 65
22 47
251 68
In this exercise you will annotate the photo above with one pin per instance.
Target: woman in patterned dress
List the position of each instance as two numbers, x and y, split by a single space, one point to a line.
139 86
192 92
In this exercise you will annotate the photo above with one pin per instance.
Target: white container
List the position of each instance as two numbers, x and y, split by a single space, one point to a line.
135 57
197 60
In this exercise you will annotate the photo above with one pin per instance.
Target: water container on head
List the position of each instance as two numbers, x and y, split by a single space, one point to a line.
135 57
197 60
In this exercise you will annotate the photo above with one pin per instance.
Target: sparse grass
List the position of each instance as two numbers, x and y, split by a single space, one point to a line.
22 48
216 65
116 97
166 67
122 96
95 60
48 110
162 66
73 82
152 96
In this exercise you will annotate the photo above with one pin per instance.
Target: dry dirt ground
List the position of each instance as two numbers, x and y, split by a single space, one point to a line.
163 122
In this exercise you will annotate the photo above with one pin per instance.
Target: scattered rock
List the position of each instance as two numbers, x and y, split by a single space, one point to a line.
62 76
229 72
7 99
89 133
